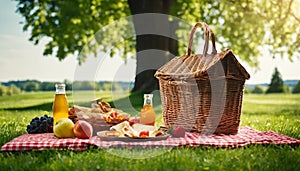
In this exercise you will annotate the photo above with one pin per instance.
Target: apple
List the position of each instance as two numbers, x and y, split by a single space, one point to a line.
64 128
83 129
177 132
134 121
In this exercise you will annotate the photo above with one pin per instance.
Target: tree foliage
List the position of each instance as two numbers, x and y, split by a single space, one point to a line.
276 85
31 86
2 90
258 89
244 26
9 90
247 90
286 89
12 89
85 85
297 88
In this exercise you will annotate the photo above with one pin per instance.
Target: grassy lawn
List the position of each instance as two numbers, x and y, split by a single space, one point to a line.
277 112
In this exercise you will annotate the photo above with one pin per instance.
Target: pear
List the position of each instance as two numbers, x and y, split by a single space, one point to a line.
64 128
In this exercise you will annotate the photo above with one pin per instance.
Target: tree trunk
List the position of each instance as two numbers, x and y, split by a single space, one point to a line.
154 46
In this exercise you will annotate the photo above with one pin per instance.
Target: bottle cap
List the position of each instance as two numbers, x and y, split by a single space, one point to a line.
60 85
148 95
60 88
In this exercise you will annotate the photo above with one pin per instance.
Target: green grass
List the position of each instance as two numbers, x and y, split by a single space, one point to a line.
277 112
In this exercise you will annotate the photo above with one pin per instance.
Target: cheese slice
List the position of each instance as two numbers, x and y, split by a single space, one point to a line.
128 131
119 126
125 129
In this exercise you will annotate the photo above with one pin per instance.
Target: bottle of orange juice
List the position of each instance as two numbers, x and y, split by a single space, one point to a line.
147 115
60 104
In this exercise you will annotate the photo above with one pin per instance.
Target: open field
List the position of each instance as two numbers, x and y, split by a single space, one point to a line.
277 112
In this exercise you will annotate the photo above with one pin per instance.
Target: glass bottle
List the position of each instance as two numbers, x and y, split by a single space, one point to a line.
60 104
148 115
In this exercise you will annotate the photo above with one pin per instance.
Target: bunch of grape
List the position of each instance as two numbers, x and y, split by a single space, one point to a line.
43 124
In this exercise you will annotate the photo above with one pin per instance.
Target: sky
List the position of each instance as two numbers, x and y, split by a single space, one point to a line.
20 59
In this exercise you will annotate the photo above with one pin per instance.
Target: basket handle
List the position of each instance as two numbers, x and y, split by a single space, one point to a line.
207 33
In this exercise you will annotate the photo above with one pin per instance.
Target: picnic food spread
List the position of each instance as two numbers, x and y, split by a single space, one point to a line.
120 124
84 122
102 120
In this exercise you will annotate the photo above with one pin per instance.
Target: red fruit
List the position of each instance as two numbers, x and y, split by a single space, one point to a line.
178 132
144 134
82 129
134 121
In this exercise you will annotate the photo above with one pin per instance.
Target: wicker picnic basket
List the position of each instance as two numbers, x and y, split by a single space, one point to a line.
203 92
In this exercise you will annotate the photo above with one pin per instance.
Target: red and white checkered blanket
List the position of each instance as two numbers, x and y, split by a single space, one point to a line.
245 136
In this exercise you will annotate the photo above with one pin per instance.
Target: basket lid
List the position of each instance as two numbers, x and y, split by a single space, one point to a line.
198 66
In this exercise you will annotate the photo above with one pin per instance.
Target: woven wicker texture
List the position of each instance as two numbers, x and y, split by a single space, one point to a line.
203 92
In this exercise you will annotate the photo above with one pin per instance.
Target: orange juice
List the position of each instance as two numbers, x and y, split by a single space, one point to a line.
147 115
60 104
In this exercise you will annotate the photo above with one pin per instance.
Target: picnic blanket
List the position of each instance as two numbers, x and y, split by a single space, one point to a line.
245 136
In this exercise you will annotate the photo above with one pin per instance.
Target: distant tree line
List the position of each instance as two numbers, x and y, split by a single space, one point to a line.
276 86
16 87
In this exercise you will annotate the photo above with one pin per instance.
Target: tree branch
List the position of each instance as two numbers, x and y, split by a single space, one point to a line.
296 18
289 9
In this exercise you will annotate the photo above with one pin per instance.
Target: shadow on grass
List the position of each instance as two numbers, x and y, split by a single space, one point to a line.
134 102
43 106
130 104
135 99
